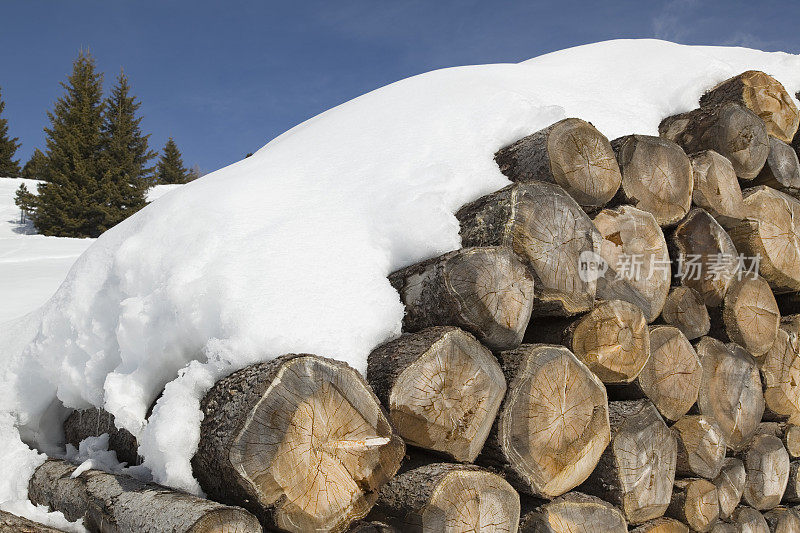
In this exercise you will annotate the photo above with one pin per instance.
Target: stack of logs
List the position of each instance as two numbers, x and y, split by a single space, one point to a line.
601 355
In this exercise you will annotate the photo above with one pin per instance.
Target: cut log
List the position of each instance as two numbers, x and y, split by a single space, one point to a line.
94 422
115 503
656 176
770 232
662 525
442 389
444 497
10 523
486 291
571 512
782 170
730 391
549 231
748 520
767 466
780 372
637 470
570 153
716 188
701 447
301 441
787 432
730 129
695 502
634 247
792 494
707 258
783 520
730 485
764 95
790 322
553 424
685 309
748 316
363 526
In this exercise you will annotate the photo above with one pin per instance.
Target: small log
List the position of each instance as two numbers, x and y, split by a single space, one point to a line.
656 176
363 526
570 153
111 502
766 463
634 247
730 391
11 523
448 497
780 373
748 316
792 494
787 432
442 389
730 486
790 322
93 422
716 187
783 520
701 447
637 470
574 511
764 95
707 258
548 230
782 170
749 520
662 525
301 441
695 502
685 309
730 129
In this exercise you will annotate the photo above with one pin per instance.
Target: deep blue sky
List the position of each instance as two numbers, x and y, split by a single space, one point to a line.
224 77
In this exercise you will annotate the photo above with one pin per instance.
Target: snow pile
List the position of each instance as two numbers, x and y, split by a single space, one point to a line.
288 250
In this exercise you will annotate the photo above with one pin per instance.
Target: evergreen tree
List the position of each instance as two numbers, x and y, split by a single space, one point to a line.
26 201
170 167
36 167
72 203
9 167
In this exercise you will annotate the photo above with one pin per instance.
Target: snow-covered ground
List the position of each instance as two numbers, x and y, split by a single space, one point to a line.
288 250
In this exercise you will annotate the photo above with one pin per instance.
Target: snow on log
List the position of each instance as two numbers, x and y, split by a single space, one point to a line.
695 503
730 485
766 464
748 316
685 309
11 523
782 170
780 372
783 520
93 422
574 511
701 447
716 187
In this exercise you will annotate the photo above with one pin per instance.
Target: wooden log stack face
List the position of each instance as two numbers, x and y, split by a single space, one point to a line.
574 511
767 466
782 170
716 187
730 484
701 447
783 520
695 502
662 525
780 371
685 309
750 314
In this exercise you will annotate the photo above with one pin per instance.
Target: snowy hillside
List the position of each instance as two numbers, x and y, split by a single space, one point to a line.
288 250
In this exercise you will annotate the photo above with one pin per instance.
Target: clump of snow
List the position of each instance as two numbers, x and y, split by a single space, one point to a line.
288 250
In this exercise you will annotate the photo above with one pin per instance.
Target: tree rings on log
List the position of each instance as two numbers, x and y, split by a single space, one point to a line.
685 309
695 502
750 315
783 520
767 466
782 170
730 485
716 187
701 447
780 372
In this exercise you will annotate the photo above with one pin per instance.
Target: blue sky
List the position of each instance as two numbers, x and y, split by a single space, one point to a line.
224 77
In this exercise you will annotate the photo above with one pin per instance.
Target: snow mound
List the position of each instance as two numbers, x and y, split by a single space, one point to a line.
288 250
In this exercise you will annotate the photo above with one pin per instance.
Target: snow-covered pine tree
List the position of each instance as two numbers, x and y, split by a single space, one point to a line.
9 167
170 167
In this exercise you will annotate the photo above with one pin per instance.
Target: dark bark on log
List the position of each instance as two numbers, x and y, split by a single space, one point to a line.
767 466
701 447
571 512
94 422
730 485
716 187
782 170
10 523
695 503
686 310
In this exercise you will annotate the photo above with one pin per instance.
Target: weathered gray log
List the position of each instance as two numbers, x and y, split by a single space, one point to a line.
780 373
730 485
686 310
548 230
110 503
574 511
93 422
716 187
766 463
730 129
730 391
301 441
656 176
782 170
553 424
749 520
442 389
783 520
788 433
725 527
764 95
701 447
570 153
792 494
634 248
637 470
487 291
11 523
695 503
662 525
443 497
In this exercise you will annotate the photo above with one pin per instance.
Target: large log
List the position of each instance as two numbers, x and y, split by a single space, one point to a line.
782 170
11 523
730 129
301 441
767 466
685 309
570 153
634 248
792 493
748 316
716 187
783 520
546 228
764 95
553 424
662 525
656 176
749 520
110 503
780 372
571 512
451 498
730 391
487 291
442 389
695 502
701 447
730 485
637 470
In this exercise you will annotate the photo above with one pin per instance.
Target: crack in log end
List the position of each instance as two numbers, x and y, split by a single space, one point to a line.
750 314
730 486
767 466
574 512
780 370
716 187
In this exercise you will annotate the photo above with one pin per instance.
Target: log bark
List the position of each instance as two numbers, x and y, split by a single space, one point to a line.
787 432
637 470
553 424
112 503
634 247
571 153
767 466
729 129
10 523
94 422
730 391
656 176
662 525
701 447
448 497
695 503
549 231
487 291
685 309
748 316
730 486
301 441
749 520
783 520
762 94
571 512
792 494
770 232
716 187
782 170
780 373
442 389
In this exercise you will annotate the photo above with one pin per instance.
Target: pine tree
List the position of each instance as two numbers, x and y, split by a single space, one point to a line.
26 201
36 167
9 167
72 203
170 167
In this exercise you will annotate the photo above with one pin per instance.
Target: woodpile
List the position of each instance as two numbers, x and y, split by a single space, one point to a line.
607 352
